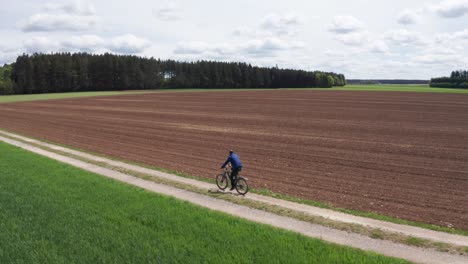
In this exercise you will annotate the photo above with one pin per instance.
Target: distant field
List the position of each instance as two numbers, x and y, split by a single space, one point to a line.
34 97
382 88
55 213
399 88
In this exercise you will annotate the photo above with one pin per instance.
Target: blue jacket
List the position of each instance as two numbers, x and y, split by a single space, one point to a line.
234 160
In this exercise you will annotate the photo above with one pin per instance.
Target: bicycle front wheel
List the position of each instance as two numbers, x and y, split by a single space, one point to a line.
242 186
222 181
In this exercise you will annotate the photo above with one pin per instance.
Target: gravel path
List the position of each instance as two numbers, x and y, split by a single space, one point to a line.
410 253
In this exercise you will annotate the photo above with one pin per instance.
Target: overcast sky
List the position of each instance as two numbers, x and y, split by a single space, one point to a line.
360 38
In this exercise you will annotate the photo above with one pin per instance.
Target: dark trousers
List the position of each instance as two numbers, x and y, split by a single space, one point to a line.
233 176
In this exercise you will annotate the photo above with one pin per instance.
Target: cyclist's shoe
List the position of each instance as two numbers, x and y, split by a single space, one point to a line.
232 188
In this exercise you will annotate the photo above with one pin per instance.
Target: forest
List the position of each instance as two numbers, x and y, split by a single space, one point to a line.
67 72
458 79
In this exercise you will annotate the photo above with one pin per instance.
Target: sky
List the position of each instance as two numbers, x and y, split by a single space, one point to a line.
362 39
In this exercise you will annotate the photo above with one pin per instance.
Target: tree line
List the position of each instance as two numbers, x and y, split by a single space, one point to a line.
67 72
458 79
6 84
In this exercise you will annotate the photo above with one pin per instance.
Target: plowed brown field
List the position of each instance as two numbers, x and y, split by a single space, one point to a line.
400 154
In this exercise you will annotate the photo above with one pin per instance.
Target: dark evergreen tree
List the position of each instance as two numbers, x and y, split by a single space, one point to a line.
457 79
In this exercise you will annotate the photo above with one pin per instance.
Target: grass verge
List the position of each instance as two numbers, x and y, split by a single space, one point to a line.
49 96
55 213
399 88
364 214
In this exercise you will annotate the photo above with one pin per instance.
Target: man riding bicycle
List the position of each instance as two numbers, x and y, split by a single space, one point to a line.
236 165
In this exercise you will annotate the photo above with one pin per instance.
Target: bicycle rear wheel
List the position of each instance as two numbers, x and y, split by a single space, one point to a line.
242 186
222 181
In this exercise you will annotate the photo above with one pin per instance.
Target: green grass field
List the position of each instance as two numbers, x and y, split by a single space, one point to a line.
380 88
48 96
54 213
399 88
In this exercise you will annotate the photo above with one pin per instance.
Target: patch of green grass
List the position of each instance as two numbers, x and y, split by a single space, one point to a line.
415 241
49 96
377 234
398 88
444 247
54 213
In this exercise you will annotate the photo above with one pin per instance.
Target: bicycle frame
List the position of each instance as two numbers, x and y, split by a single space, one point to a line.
227 173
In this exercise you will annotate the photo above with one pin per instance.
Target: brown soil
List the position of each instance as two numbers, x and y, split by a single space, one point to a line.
400 154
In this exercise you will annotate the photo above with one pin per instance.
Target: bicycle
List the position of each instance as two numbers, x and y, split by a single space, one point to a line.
222 180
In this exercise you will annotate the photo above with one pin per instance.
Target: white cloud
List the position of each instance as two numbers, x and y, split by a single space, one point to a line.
8 54
452 48
445 8
354 39
281 24
73 16
269 46
79 8
461 35
57 22
334 53
129 44
125 44
256 47
404 37
87 43
379 46
6 58
350 32
364 42
438 59
7 49
275 34
168 11
441 50
455 36
273 25
409 17
450 8
243 31
40 45
345 24
192 47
